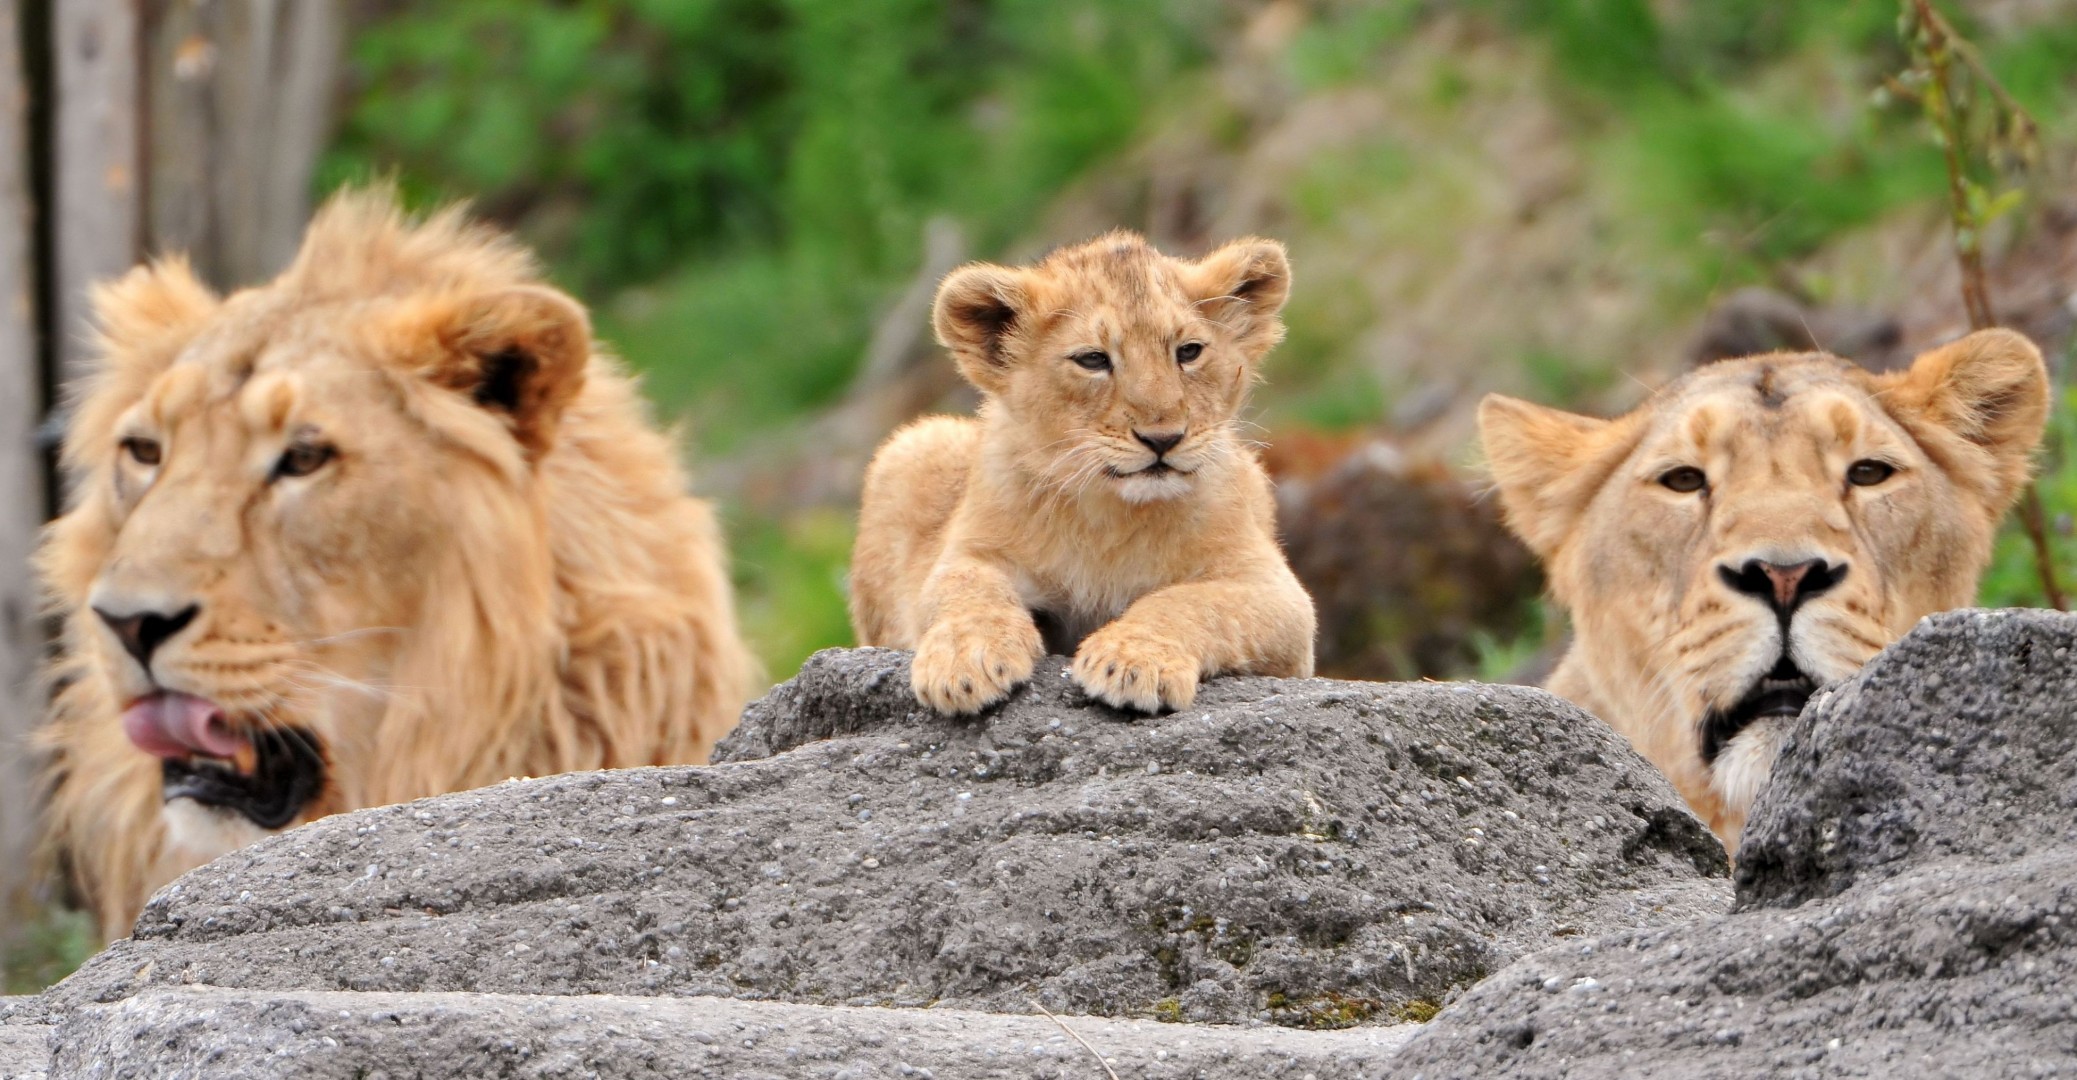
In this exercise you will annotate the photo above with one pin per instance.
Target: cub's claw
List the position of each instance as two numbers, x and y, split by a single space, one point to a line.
1127 671
959 670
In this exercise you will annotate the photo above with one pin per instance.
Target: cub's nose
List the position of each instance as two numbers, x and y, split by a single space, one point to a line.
1160 442
1784 588
143 632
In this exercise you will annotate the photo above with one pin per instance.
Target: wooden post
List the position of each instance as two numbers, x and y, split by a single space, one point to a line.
21 483
97 160
240 100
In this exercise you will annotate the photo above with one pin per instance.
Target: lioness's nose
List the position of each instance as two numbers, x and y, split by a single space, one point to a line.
1784 588
143 632
1160 442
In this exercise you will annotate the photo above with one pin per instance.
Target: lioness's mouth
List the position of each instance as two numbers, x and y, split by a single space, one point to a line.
268 775
1782 692
1159 468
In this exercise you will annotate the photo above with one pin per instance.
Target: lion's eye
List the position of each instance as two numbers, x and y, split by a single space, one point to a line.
1869 472
1188 351
302 459
1093 360
142 451
1684 479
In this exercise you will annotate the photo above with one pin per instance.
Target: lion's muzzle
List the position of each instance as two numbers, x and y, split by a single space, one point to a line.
269 776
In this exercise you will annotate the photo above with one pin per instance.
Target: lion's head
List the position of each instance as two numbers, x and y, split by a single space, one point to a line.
1757 531
1112 367
382 528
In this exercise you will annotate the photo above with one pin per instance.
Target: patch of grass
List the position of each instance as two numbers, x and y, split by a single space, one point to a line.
790 586
47 947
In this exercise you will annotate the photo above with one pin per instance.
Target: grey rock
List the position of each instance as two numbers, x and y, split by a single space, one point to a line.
248 1035
24 1051
1304 852
1907 897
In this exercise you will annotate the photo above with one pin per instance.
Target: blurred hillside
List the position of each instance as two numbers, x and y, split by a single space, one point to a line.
1545 197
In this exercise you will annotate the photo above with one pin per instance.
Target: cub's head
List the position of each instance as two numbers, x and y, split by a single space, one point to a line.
1757 531
304 516
1114 369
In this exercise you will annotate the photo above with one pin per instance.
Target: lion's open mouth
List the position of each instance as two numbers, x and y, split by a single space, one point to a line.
1781 692
268 775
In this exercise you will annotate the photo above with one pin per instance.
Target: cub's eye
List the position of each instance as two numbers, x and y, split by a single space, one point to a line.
1188 351
302 459
1869 472
1093 360
1684 479
142 451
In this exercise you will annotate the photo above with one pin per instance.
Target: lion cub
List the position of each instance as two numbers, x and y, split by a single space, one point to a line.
1103 492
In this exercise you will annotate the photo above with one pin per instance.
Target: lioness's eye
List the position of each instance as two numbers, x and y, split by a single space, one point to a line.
1093 360
1869 472
142 451
1188 351
302 459
1684 479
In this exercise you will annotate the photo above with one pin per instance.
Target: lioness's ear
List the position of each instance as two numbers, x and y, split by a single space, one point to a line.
521 352
1548 464
144 317
980 309
1244 285
1991 390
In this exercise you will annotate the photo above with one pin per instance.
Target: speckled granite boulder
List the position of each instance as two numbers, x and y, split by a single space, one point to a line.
1302 852
1907 898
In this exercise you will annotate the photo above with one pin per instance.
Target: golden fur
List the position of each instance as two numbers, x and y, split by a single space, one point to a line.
498 572
1049 505
1677 615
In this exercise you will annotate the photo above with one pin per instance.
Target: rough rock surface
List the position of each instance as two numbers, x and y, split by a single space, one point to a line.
1305 852
1907 897
248 1035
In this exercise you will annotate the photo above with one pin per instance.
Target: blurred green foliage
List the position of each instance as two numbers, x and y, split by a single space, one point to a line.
741 185
44 948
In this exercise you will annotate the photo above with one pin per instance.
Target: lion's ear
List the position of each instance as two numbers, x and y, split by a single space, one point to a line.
1548 465
144 317
1990 389
979 309
520 352
1244 285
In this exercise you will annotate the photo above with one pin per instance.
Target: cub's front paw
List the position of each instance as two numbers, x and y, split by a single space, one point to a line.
1129 671
964 670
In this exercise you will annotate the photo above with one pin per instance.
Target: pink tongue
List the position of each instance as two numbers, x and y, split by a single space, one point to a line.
172 725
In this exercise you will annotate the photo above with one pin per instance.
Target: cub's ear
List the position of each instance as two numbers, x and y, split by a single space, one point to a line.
519 352
1548 464
1244 285
979 311
1990 390
143 318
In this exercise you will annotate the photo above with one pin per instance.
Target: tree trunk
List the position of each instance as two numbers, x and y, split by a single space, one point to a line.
21 483
97 162
241 98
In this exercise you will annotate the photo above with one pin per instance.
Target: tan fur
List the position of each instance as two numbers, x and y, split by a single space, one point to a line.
467 592
969 527
1661 637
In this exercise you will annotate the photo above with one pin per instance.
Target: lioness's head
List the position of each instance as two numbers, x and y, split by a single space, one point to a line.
1757 531
298 504
1112 368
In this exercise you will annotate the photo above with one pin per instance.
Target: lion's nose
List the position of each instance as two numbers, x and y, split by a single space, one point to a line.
1160 442
1784 588
143 632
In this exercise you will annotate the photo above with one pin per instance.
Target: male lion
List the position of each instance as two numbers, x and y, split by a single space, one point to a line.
1756 532
386 527
1103 492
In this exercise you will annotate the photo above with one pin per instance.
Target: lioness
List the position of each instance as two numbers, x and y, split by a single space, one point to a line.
385 527
1103 492
1756 531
